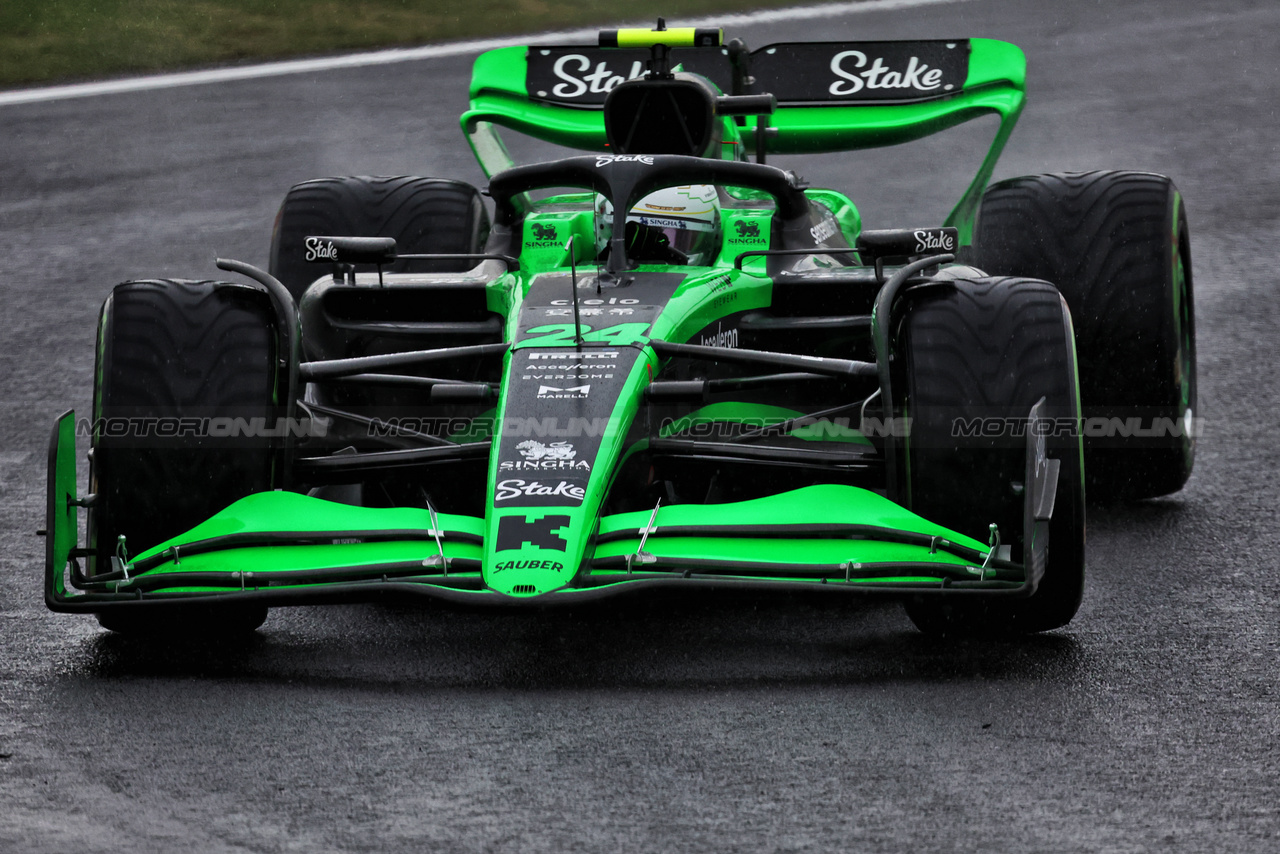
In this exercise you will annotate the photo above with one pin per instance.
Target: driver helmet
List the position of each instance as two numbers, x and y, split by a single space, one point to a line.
675 225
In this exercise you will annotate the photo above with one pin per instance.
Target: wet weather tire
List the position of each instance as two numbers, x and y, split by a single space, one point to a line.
990 348
1117 245
173 357
424 215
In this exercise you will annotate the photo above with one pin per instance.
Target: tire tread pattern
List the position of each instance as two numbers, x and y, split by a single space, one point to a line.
425 215
1103 239
179 349
992 347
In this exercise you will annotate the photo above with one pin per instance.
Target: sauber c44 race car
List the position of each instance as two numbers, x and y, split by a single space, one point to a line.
664 363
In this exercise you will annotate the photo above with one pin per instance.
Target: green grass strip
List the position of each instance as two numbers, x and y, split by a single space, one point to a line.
44 41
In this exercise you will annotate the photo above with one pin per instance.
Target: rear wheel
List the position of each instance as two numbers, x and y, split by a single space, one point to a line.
175 360
985 351
1117 245
424 215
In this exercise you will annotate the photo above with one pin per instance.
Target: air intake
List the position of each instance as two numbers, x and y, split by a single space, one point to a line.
660 117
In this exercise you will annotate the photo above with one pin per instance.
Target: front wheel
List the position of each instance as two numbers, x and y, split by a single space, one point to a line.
978 355
185 399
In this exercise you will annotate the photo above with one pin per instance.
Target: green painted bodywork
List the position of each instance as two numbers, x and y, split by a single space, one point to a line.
274 542
290 514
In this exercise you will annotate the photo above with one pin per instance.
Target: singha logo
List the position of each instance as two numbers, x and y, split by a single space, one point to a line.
748 233
544 232
558 456
532 450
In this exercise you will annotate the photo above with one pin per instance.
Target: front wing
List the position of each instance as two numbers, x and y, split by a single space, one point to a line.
282 548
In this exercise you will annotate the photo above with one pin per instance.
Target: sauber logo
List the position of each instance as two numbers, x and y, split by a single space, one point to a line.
511 489
320 250
916 76
553 565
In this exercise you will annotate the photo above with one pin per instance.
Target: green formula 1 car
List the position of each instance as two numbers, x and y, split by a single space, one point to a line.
664 363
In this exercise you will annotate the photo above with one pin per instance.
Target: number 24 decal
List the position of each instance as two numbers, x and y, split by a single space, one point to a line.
562 335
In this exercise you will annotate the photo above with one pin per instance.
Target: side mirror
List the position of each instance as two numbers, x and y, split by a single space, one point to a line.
907 242
349 250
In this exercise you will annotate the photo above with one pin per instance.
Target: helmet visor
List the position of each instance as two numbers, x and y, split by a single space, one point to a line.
667 240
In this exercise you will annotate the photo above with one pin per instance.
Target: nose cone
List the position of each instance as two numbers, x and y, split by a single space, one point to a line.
534 552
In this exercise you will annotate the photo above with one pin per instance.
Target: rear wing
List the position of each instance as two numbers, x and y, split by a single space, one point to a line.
832 96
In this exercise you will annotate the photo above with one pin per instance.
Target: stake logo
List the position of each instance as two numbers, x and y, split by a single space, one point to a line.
515 531
943 239
571 68
917 76
606 159
319 249
508 490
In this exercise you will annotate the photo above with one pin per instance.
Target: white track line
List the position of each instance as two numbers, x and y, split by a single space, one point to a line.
434 51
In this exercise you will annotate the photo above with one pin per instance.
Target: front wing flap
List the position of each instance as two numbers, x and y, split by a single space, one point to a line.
285 548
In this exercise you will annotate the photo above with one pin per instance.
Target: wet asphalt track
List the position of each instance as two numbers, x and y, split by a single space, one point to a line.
717 724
